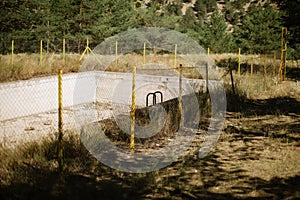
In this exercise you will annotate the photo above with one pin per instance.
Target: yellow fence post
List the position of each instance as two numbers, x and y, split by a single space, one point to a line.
132 113
265 72
175 56
41 52
239 62
274 63
12 52
87 49
207 90
206 74
180 95
251 75
284 61
283 49
206 77
144 53
116 52
60 124
64 51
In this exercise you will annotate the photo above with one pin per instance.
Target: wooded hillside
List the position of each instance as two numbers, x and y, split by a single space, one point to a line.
224 25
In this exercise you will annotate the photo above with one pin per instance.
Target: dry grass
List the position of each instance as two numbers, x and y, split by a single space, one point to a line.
240 166
260 83
26 66
256 157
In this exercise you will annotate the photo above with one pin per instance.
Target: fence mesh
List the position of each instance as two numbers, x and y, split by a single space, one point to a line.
156 74
102 90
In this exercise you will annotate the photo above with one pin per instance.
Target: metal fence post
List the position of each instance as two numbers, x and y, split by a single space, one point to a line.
41 52
282 66
265 72
60 124
251 76
144 53
132 113
64 51
239 62
12 52
175 56
180 96
116 52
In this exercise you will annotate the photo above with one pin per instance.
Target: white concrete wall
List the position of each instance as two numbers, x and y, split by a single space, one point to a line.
38 95
23 98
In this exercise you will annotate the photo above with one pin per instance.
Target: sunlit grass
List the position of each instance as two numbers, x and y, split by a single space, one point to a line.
26 66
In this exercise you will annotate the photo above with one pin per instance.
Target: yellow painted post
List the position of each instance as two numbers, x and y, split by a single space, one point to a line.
207 91
283 48
116 52
265 72
251 75
281 55
12 52
132 113
87 49
208 51
274 63
206 78
180 96
144 53
239 62
175 56
60 124
64 51
284 61
41 52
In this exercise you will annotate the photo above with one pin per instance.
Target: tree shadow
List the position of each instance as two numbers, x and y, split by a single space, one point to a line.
222 171
217 176
83 178
177 181
293 73
272 106
72 187
277 188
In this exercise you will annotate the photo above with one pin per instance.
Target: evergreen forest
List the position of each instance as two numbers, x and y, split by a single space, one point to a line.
255 26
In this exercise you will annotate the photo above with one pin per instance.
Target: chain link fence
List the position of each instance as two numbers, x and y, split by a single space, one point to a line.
102 89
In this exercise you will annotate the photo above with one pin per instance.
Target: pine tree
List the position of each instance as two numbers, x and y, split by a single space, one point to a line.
189 24
290 11
21 21
216 35
203 7
100 19
189 20
260 30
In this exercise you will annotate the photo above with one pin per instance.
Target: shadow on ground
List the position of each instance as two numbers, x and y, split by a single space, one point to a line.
256 158
211 176
293 73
